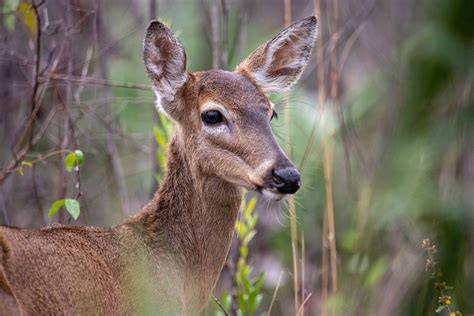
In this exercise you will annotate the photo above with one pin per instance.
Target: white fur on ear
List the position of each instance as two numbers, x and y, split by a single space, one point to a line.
165 62
277 65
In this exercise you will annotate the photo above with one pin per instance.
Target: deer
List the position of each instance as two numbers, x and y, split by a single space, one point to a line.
167 258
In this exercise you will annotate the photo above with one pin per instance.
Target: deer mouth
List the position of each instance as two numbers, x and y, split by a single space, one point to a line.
272 194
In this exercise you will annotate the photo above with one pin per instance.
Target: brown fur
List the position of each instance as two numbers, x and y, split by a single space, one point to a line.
166 259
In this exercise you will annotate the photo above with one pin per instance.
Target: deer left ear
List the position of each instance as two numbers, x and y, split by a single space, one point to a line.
276 65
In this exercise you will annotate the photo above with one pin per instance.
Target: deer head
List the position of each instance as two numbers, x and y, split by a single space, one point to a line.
222 117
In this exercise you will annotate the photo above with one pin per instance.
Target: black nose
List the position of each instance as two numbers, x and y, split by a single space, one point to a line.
286 180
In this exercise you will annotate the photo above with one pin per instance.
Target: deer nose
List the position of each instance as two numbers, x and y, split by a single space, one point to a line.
286 180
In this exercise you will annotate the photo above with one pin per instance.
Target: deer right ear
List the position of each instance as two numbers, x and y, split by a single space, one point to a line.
165 62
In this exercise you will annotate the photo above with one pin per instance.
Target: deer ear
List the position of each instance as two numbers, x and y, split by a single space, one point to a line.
165 62
276 65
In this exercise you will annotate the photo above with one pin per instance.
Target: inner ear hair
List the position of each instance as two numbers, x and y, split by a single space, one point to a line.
165 61
277 65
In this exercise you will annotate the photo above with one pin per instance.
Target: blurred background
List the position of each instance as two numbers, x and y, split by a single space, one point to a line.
381 126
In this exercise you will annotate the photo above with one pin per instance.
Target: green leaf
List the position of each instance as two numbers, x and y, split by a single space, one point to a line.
55 207
161 158
70 161
249 207
246 240
79 157
440 308
25 163
73 208
227 300
252 221
243 251
259 283
9 22
10 5
9 18
159 137
28 16
258 300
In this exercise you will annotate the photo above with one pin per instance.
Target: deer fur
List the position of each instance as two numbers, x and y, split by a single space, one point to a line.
167 258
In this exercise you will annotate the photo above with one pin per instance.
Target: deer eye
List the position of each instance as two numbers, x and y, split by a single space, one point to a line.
211 117
274 115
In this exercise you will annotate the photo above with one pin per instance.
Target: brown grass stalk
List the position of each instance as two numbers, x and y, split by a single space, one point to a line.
328 142
291 200
322 100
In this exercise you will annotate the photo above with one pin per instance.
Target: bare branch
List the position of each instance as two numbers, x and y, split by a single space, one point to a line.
111 147
215 33
96 81
225 34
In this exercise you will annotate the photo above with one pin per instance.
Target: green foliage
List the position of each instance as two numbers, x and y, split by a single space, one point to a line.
73 161
431 266
28 16
8 9
55 207
161 134
75 158
248 289
72 206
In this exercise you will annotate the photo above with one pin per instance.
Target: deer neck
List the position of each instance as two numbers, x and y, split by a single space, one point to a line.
192 216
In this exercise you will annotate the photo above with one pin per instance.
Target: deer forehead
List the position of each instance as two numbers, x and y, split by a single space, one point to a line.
229 90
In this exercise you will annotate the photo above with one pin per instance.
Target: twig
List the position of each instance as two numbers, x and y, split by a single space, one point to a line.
36 193
328 142
153 9
4 208
215 34
66 105
322 100
302 273
220 305
291 199
85 69
234 256
37 55
225 34
300 311
40 158
96 81
111 147
19 150
324 265
274 294
236 52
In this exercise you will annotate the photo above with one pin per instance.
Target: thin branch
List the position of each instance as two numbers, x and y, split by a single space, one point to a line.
66 105
111 147
328 160
303 254
220 305
96 81
301 310
291 199
36 194
40 158
153 9
225 34
274 294
215 34
19 150
4 209
241 30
